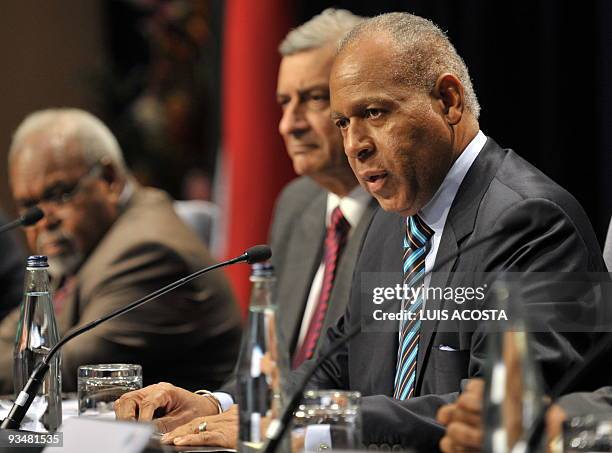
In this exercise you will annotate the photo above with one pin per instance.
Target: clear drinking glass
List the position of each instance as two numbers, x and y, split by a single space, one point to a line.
327 419
588 433
100 385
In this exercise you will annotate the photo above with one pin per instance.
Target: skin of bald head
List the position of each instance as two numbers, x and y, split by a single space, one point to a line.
400 139
49 163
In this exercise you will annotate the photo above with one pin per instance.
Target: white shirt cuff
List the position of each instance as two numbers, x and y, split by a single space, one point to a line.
317 438
225 400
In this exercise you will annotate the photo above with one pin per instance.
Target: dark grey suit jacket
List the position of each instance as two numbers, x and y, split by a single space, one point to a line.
553 234
297 237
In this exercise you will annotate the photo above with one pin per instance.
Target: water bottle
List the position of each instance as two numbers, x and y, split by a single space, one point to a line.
514 388
496 374
262 363
36 334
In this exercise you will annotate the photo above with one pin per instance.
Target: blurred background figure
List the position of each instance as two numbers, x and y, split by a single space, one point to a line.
12 266
111 241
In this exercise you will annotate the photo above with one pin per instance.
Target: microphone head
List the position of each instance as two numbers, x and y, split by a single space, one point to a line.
258 253
32 216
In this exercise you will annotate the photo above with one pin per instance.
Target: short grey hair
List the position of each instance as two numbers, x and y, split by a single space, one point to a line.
424 52
95 139
322 30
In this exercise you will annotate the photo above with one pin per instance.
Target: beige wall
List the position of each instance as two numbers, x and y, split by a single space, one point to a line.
48 50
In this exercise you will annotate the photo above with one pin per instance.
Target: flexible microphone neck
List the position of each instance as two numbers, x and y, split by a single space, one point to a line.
30 217
279 427
26 396
120 311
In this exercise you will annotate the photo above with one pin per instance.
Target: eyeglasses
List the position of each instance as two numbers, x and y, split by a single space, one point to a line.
61 193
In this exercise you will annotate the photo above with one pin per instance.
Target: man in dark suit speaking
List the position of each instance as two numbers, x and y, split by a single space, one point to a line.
412 137
403 100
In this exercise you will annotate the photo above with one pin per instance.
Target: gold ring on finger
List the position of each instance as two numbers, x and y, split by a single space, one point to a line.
202 427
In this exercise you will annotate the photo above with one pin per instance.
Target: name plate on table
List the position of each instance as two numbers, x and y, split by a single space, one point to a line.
103 436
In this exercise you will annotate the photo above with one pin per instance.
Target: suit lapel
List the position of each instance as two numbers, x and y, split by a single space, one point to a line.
343 280
305 249
457 231
439 279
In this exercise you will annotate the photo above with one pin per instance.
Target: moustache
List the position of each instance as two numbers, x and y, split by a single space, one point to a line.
65 240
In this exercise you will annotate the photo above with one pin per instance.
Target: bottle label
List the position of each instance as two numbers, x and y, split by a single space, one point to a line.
21 398
255 427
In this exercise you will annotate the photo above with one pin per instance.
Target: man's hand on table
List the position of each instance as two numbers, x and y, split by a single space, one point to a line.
555 416
221 431
164 404
463 420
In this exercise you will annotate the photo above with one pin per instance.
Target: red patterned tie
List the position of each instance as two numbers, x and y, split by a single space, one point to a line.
335 240
62 293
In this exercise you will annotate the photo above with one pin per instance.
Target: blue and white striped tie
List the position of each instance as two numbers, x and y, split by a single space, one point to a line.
416 245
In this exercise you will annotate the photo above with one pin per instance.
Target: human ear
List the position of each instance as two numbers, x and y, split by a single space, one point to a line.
449 94
112 177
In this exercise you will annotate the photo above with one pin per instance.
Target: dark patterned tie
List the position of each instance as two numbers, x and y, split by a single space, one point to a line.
335 240
416 245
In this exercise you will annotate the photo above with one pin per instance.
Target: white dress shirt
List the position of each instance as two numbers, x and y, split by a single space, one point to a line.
435 212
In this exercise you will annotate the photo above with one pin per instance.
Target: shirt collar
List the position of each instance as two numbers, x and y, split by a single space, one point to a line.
126 194
352 205
435 212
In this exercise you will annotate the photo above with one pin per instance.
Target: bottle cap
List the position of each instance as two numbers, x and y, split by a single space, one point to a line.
264 269
37 261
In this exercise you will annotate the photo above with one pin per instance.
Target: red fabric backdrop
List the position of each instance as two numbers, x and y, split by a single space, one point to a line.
256 166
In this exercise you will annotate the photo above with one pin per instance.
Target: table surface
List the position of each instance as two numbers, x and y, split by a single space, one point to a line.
70 409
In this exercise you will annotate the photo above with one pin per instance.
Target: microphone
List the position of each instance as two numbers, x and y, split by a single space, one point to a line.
257 254
279 427
26 396
30 217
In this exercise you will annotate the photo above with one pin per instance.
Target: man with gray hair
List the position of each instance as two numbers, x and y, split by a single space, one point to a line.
110 242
